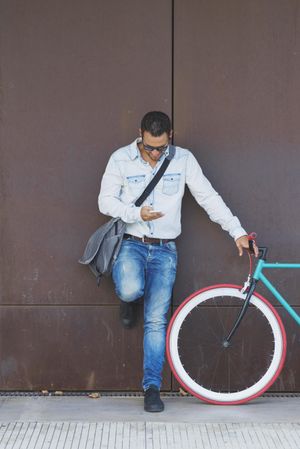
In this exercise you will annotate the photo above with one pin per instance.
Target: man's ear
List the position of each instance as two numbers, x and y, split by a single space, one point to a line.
140 132
171 134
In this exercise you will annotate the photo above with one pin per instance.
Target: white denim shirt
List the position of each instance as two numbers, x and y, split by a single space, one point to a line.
126 176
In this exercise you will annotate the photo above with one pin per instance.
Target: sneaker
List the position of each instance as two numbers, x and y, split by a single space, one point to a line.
152 401
128 314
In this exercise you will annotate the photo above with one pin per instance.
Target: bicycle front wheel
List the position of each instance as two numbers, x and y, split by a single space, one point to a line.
205 365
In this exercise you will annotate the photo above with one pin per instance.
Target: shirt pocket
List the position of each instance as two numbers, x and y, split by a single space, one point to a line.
171 183
136 183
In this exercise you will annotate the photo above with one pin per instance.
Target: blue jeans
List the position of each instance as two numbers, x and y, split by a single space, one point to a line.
148 270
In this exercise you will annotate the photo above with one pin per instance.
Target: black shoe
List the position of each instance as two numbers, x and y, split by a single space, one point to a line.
128 314
152 401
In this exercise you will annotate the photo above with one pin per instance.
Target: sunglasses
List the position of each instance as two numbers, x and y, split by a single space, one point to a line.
151 148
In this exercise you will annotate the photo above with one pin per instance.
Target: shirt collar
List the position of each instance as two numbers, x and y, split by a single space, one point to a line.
134 149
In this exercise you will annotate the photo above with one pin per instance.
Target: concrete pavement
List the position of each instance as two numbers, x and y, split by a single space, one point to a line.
120 422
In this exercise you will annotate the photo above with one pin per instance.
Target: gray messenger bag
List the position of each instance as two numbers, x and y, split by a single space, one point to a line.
103 246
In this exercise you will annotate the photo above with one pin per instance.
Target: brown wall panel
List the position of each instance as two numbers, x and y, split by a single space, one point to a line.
237 106
70 348
77 78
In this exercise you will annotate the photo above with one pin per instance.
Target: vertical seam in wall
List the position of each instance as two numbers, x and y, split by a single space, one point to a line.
172 380
172 65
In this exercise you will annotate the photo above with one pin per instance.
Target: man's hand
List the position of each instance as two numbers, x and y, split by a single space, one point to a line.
243 242
147 215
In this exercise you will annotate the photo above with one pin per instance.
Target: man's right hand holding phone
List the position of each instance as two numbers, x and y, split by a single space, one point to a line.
148 214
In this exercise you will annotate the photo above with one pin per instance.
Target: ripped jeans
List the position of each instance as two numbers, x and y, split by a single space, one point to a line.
148 270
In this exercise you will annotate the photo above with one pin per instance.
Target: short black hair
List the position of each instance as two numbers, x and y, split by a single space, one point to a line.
156 123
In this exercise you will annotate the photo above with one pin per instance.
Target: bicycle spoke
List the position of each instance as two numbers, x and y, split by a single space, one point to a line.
218 369
219 317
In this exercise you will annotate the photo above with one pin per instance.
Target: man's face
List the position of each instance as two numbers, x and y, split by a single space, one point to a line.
160 142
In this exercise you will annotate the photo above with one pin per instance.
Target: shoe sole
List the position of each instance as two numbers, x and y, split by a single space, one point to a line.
154 410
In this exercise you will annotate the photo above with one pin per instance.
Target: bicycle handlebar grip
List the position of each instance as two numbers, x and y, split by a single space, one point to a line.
251 243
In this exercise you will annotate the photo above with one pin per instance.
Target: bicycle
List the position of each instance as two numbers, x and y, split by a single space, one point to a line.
208 343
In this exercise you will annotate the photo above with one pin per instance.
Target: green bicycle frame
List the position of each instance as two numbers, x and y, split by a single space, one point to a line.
259 276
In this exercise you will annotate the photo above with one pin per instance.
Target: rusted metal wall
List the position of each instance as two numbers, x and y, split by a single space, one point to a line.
76 79
237 105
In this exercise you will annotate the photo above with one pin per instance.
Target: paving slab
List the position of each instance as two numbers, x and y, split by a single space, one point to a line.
177 409
148 435
121 423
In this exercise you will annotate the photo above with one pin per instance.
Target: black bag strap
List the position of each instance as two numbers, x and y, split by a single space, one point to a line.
157 177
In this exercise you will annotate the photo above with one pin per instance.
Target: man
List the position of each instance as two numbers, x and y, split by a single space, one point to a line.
146 264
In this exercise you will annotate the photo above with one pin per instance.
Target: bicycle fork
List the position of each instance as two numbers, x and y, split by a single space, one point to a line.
252 286
250 291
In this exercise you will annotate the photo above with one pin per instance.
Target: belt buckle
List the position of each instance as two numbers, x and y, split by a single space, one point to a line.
143 239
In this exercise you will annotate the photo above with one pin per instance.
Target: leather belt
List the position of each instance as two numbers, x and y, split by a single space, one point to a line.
146 239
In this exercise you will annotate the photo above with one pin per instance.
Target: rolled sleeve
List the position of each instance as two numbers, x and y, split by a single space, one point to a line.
109 202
